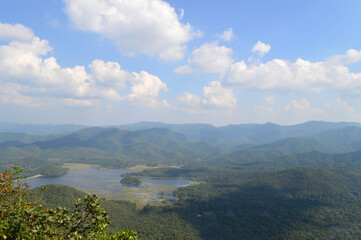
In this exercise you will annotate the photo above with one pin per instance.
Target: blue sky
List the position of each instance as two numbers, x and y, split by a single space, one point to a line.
102 62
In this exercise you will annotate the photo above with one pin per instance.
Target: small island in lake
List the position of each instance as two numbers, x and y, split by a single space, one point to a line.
130 180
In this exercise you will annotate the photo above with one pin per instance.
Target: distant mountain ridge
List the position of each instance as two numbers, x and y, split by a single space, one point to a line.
242 136
160 143
149 146
40 129
239 133
335 141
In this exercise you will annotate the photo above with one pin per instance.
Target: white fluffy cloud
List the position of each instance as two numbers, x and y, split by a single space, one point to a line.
351 56
150 27
214 95
109 74
261 48
23 63
208 58
145 89
15 32
227 35
300 75
25 71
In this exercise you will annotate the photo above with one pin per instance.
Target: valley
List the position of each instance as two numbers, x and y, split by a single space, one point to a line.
251 181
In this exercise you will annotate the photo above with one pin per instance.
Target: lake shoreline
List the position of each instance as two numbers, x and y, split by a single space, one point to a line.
106 184
35 176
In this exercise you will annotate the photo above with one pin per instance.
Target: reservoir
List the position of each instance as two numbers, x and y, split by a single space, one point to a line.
106 183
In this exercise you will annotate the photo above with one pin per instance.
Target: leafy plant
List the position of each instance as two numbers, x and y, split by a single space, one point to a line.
24 219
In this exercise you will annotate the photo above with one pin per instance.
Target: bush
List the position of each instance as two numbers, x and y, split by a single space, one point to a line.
23 219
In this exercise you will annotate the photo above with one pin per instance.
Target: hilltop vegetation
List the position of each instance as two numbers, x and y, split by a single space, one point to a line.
24 219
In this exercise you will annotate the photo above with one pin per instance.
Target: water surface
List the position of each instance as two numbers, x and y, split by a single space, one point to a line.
106 183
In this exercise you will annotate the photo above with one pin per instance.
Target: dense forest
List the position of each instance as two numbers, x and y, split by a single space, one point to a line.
254 181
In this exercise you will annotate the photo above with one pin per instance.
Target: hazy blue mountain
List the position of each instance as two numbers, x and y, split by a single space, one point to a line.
269 132
315 127
15 143
268 152
347 139
243 136
238 136
40 129
152 146
11 136
191 130
181 142
341 140
20 139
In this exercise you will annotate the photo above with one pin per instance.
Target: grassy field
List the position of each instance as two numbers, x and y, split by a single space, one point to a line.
78 165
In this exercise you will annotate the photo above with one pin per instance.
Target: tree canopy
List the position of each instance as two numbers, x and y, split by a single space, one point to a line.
24 219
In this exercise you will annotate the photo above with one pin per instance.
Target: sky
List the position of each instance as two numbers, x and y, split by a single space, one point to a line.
108 62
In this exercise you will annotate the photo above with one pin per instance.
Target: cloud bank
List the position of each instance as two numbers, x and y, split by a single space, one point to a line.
273 77
301 75
28 76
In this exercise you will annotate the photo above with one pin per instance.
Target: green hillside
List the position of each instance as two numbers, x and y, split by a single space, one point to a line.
298 203
111 147
150 222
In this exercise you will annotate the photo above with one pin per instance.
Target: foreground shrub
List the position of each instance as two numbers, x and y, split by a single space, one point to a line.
24 219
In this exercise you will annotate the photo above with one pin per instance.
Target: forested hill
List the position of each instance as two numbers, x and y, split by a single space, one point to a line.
111 147
342 140
316 159
297 203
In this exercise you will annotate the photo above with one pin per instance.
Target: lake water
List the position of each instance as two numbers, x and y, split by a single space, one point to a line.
106 183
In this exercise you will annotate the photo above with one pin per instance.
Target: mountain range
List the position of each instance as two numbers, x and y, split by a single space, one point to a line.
178 144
